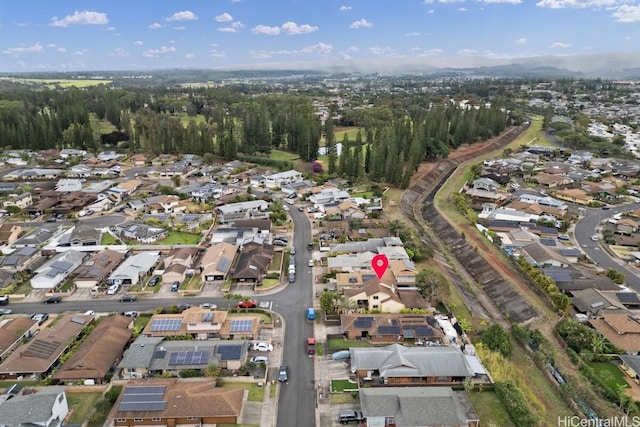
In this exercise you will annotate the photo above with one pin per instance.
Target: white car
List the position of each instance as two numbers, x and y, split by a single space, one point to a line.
594 238
262 346
260 359
311 263
113 289
208 305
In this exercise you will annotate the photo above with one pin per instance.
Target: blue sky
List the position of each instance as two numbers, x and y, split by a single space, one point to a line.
73 35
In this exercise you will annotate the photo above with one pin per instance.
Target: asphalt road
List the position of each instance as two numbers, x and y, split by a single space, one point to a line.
296 406
587 226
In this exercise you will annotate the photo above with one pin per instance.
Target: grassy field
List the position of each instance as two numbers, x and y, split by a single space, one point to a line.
610 375
108 239
52 84
339 386
180 238
337 398
489 409
351 132
103 127
81 406
185 119
283 155
342 344
256 394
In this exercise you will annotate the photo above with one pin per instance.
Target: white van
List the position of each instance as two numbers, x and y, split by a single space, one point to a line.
292 269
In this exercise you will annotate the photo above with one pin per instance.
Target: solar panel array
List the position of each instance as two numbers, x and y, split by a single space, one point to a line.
241 325
143 398
189 358
224 264
230 352
166 325
628 297
363 322
41 349
159 354
389 330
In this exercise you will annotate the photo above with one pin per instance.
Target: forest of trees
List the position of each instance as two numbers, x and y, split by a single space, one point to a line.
396 135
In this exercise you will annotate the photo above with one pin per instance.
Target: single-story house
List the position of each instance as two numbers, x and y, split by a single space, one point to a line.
380 328
216 261
46 407
176 402
95 269
21 259
53 272
9 233
134 268
13 331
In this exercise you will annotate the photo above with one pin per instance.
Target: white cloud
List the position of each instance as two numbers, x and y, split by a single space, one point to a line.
225 17
467 52
215 53
179 28
110 28
185 15
260 54
344 8
80 18
37 47
431 52
62 49
138 43
235 27
426 1
317 49
520 41
502 1
353 49
560 45
155 26
80 52
413 34
120 53
463 9
155 53
292 29
627 14
431 11
576 4
264 29
362 23
377 50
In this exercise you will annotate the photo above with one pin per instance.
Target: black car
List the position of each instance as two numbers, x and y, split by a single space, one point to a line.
282 376
153 281
128 298
347 417
52 300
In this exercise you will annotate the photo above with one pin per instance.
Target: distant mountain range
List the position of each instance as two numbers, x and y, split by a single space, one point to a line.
620 66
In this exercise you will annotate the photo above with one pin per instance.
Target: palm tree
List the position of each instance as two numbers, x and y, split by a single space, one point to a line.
346 304
212 371
597 344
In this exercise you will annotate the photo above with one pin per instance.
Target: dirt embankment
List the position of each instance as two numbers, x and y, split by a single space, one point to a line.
417 205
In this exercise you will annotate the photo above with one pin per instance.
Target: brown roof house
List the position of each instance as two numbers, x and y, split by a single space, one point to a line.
574 195
253 262
95 270
621 329
13 331
376 295
9 233
199 323
216 261
177 263
627 226
173 402
390 328
36 358
99 352
551 181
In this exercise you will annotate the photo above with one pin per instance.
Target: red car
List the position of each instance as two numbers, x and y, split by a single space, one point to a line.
247 304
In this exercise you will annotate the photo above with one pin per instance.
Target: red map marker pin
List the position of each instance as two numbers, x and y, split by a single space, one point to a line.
380 264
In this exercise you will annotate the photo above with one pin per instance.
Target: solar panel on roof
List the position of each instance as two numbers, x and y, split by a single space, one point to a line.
60 265
160 354
423 331
146 389
241 325
389 330
166 325
408 333
142 406
229 352
362 323
78 320
189 358
628 297
369 318
207 317
224 264
548 242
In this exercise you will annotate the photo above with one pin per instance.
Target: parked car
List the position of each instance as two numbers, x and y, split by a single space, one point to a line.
311 313
52 300
184 306
133 314
6 311
311 263
282 374
40 318
111 290
279 243
262 346
4 299
209 305
247 304
341 355
292 251
594 238
347 417
154 281
311 345
89 313
292 277
175 286
260 359
128 298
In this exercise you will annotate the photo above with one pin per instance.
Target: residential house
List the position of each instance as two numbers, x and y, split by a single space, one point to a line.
538 255
216 262
67 185
591 302
350 262
486 184
99 352
97 267
396 365
480 197
376 295
404 272
141 232
66 153
253 262
328 195
580 156
506 214
543 201
9 233
263 226
391 328
36 358
46 407
630 363
621 329
138 159
175 402
574 195
344 210
134 268
191 221
127 187
21 259
54 272
108 156
177 263
13 331
81 235
551 181
21 201
254 209
430 407
277 180
627 226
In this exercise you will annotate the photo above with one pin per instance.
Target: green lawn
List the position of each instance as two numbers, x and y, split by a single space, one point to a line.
283 155
342 344
193 284
108 239
101 126
337 398
81 406
489 409
256 394
610 375
339 386
185 119
180 238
